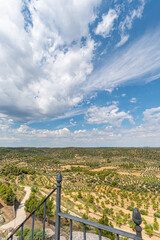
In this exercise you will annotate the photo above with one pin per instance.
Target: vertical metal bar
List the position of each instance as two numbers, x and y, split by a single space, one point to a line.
117 236
32 226
70 229
58 207
99 234
84 231
21 233
44 219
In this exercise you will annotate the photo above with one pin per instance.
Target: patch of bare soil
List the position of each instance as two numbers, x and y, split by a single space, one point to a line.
130 173
22 164
103 168
6 211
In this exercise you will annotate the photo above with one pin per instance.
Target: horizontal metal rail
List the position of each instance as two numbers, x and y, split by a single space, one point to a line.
100 226
32 213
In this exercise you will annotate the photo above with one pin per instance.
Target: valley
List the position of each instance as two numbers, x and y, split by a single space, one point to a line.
97 183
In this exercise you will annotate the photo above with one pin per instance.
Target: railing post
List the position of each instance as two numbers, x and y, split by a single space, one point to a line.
137 220
58 207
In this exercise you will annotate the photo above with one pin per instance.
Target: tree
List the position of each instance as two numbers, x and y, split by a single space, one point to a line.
7 194
33 202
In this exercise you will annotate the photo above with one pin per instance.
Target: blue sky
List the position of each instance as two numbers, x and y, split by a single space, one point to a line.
85 73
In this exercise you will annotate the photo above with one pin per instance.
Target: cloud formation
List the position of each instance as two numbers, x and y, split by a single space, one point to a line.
50 69
137 62
127 23
47 63
105 27
133 100
108 115
146 134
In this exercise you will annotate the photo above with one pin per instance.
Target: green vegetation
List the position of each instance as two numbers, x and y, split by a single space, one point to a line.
105 221
6 193
97 183
38 234
9 170
149 229
33 202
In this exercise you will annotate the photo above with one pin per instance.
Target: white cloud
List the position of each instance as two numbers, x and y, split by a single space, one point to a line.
80 131
138 61
135 13
109 115
44 69
124 39
47 65
26 131
72 122
133 100
105 27
127 23
115 102
146 134
47 68
152 117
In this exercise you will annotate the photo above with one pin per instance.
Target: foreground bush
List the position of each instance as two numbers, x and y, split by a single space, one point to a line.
7 194
38 234
33 202
106 222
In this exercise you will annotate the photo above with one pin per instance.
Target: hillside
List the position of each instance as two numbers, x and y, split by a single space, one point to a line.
97 182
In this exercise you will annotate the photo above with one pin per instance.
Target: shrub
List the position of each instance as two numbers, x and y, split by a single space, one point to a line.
34 189
149 229
130 208
157 215
156 224
131 224
38 234
85 216
144 212
106 222
79 194
33 202
7 194
90 198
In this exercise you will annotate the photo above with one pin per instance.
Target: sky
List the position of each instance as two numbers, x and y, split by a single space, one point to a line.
82 73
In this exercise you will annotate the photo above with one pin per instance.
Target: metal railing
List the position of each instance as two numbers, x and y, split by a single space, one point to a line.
32 215
136 218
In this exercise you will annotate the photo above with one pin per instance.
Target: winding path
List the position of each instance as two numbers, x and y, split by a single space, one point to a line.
20 214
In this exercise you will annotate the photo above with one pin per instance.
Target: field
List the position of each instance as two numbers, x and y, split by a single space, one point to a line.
97 182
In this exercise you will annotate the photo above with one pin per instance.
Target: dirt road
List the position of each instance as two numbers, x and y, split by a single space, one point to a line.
20 214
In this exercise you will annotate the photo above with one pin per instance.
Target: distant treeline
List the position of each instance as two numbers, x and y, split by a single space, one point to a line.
71 152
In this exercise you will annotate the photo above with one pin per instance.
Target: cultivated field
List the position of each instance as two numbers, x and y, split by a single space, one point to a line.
102 184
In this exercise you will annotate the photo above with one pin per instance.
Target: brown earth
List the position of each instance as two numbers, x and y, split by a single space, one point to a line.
6 211
103 168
